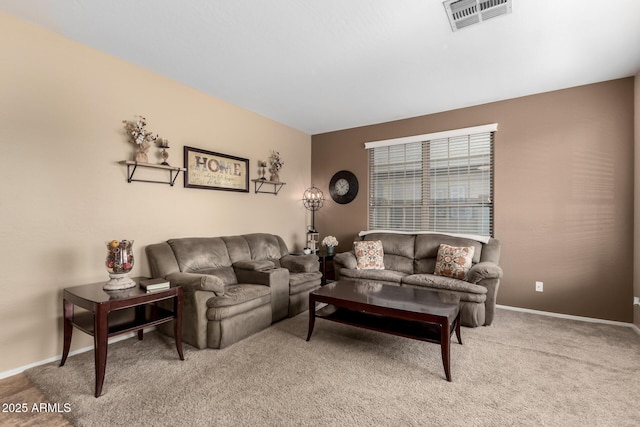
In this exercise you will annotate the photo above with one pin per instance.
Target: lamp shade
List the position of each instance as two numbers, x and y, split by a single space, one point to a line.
313 198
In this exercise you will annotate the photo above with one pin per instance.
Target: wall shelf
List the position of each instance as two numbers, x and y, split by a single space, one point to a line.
174 171
259 183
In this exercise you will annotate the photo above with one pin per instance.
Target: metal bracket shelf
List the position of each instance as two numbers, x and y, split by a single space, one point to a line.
258 183
174 171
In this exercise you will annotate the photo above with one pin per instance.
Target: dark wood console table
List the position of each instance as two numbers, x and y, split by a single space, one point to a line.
114 313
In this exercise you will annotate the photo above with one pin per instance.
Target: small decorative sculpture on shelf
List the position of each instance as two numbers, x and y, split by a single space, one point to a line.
140 136
163 144
276 165
262 173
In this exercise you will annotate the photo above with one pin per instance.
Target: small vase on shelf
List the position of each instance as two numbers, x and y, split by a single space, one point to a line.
141 152
275 177
330 250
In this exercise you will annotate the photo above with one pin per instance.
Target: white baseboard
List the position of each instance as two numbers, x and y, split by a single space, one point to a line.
568 316
12 372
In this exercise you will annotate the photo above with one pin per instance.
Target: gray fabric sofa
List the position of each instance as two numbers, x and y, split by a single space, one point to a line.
410 260
234 286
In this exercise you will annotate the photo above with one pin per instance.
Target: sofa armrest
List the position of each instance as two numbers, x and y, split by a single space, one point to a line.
268 277
197 282
482 271
300 263
345 260
277 279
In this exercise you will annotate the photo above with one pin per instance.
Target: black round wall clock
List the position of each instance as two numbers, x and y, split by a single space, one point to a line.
343 187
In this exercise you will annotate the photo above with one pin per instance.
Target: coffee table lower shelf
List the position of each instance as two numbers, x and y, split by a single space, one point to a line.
422 331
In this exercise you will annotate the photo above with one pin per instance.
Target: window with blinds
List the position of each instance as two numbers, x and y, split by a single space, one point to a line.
436 182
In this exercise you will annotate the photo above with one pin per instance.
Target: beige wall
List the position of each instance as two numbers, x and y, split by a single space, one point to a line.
563 193
63 193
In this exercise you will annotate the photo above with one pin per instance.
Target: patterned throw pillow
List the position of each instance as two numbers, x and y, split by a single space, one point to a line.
369 255
453 261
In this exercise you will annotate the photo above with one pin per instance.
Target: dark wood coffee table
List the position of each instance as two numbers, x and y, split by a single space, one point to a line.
117 312
405 311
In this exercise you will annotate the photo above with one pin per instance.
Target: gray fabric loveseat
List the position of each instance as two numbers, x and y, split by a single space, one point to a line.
410 260
234 286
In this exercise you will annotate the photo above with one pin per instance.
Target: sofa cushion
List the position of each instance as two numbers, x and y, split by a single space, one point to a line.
427 246
301 282
398 250
237 247
237 299
444 283
369 255
395 243
226 274
453 261
197 253
380 275
254 265
264 246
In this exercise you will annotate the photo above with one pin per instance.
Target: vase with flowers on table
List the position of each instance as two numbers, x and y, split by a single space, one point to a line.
330 242
326 258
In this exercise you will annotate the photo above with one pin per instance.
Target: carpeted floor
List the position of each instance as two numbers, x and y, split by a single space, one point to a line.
524 370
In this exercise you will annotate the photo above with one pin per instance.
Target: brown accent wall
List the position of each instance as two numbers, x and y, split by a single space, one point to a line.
563 193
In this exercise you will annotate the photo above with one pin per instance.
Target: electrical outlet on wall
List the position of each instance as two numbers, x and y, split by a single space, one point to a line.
539 287
636 301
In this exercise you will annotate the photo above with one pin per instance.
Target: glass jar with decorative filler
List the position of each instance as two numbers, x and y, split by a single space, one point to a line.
119 263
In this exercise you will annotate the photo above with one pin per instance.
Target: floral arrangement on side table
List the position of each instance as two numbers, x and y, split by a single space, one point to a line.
276 165
330 242
139 135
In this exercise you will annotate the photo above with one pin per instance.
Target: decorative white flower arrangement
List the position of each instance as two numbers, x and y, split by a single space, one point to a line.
137 131
330 241
276 162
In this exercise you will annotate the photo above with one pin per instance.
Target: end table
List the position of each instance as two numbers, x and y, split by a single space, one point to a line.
115 313
326 267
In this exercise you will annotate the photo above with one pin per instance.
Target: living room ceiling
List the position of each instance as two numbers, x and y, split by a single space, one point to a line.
327 65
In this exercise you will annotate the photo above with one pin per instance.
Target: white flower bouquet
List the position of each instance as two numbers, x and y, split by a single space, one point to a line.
330 241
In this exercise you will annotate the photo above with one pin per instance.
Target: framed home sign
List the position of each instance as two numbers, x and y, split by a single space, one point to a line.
215 171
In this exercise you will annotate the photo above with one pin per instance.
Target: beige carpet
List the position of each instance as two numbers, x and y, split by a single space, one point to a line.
525 370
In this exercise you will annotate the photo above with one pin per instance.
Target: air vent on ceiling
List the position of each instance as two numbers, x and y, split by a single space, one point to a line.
464 13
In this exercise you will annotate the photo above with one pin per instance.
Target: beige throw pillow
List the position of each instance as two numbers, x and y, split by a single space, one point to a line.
369 255
453 261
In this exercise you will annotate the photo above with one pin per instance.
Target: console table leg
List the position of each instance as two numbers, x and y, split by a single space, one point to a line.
67 308
458 329
312 315
100 338
177 322
445 344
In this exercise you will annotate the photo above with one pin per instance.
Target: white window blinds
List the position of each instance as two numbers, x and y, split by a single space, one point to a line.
437 182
